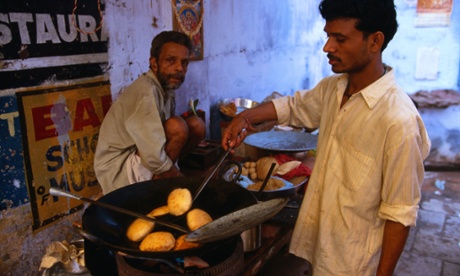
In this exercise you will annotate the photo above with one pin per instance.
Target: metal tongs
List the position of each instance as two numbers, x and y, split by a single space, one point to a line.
219 163
206 180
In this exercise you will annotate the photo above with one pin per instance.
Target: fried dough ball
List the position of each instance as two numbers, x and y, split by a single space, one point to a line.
158 241
179 201
140 228
197 218
263 166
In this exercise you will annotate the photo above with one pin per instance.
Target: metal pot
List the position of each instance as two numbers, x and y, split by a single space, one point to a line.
252 238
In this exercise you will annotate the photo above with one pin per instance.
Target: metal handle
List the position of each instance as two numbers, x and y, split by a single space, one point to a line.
58 192
267 178
223 170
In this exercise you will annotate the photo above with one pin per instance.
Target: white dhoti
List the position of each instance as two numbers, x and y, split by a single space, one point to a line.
136 171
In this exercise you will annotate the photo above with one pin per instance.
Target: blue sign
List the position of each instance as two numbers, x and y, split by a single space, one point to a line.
13 188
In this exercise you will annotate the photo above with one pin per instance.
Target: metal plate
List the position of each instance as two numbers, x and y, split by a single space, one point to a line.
282 140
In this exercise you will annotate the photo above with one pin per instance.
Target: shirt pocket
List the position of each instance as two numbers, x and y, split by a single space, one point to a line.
352 167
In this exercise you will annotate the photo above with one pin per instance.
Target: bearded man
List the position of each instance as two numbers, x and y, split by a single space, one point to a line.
140 138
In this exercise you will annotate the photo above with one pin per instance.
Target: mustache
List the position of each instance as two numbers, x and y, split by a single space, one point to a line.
178 75
332 57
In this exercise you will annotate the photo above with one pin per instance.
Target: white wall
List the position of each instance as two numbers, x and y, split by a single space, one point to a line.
129 24
402 50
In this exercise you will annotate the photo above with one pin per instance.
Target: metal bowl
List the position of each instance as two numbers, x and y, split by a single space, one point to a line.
74 265
241 104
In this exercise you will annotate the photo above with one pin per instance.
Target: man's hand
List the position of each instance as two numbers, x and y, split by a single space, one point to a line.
236 132
238 129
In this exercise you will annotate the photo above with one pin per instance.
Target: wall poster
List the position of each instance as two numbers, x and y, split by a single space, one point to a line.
60 127
188 18
433 13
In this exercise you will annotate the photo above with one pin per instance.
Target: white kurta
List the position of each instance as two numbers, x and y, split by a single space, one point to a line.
134 121
369 168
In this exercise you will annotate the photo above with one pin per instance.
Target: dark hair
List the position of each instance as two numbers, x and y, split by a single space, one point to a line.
169 36
372 15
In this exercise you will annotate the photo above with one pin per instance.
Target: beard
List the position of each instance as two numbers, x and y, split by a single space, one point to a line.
351 64
170 81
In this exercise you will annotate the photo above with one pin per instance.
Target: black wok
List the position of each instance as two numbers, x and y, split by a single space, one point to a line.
107 228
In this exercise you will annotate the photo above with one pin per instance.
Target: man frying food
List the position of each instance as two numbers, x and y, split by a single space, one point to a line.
364 191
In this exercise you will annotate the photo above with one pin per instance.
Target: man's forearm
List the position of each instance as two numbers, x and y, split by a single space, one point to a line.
238 128
394 238
172 172
262 113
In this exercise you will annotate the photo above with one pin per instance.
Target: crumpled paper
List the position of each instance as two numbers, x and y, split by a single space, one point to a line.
68 254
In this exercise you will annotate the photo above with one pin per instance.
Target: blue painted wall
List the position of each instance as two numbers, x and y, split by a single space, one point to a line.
13 189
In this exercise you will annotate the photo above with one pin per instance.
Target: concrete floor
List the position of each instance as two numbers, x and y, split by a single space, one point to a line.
433 246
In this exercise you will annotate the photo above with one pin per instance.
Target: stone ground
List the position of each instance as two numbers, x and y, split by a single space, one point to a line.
433 247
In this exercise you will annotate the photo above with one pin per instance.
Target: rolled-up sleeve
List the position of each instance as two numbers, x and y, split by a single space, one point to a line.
300 110
404 173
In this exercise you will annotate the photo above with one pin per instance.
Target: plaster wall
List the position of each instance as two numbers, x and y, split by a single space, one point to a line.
443 126
402 50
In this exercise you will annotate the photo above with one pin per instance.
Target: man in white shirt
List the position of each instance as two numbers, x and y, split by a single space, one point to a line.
364 191
140 138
